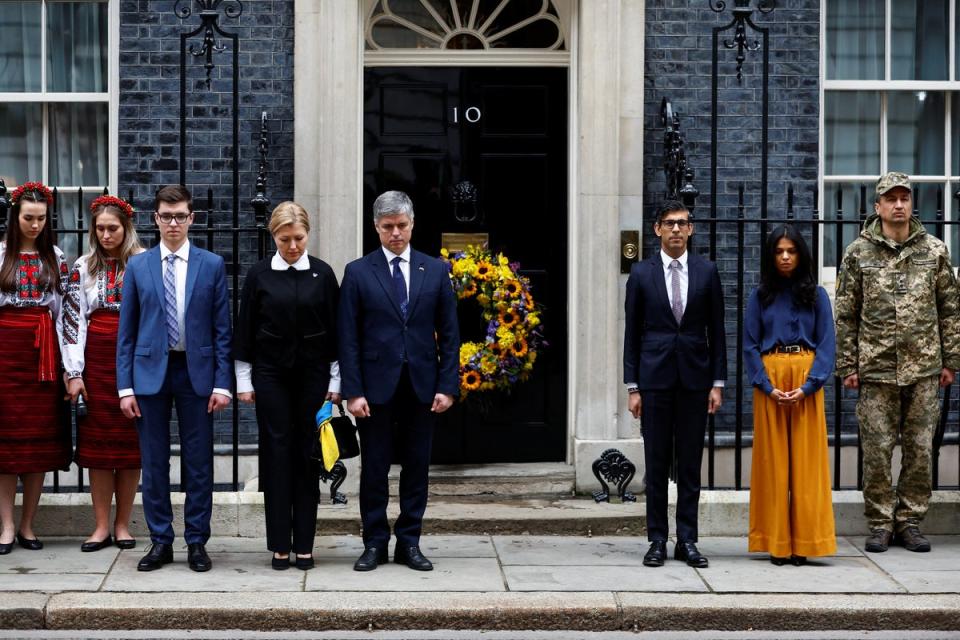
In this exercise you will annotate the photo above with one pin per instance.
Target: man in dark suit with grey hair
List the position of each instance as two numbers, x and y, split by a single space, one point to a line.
399 357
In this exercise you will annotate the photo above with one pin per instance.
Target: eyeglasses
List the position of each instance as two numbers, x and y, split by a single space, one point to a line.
681 223
167 218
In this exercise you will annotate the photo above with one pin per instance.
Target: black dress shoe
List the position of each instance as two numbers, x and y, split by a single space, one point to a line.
86 547
158 555
6 548
128 543
33 544
370 559
798 561
656 554
280 564
197 557
303 563
412 557
778 561
687 551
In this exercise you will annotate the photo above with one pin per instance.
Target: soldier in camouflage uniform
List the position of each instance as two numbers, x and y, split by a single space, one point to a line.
898 340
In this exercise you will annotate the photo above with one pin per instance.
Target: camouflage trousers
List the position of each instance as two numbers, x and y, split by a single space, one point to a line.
880 410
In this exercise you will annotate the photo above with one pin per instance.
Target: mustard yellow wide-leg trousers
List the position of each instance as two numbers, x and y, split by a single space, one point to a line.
791 506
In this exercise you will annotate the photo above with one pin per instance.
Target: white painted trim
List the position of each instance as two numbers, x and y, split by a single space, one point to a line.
892 85
573 211
113 86
821 133
41 96
477 58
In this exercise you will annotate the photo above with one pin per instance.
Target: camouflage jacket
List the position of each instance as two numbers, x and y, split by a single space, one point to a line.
897 310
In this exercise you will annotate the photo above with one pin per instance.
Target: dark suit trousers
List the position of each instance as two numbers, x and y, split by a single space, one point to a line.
408 425
673 418
287 404
196 451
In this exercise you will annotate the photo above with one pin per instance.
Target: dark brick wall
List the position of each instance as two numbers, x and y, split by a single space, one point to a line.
678 66
149 118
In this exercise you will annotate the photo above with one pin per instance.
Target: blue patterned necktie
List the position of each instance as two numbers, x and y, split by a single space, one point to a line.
399 285
170 297
677 304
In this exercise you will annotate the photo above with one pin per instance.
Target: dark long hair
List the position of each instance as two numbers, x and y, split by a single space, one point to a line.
50 274
802 284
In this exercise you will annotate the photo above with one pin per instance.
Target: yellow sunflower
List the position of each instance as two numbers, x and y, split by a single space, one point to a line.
468 290
470 380
519 348
508 318
484 270
512 288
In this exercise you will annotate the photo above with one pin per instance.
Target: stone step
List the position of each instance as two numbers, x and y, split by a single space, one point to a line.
531 479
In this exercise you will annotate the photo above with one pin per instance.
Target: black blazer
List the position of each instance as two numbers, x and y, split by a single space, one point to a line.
375 339
288 318
657 352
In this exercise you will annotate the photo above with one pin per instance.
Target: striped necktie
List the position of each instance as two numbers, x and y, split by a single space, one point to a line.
170 297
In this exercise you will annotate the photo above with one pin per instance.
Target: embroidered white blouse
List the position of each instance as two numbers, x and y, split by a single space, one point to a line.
29 292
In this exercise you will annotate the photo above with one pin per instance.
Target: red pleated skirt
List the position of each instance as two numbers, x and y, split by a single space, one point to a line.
34 436
105 438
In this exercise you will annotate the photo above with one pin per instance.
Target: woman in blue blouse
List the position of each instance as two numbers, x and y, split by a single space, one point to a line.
788 350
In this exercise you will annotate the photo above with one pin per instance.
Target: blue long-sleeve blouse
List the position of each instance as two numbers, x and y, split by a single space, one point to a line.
785 323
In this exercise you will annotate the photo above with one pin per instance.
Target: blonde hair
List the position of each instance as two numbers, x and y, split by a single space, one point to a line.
97 257
288 212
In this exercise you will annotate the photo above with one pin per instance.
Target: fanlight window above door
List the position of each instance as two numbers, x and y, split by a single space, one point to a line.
464 25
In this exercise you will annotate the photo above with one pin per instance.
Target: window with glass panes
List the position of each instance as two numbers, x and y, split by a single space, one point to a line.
55 96
891 102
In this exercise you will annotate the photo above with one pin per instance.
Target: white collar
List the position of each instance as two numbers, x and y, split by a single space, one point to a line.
183 252
667 260
390 255
277 263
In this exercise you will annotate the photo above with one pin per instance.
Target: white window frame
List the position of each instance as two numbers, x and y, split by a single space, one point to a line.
109 97
951 90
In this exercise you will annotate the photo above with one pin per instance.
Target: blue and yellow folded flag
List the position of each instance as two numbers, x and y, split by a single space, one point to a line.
328 441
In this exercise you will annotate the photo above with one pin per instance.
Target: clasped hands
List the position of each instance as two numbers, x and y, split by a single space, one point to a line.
788 398
359 408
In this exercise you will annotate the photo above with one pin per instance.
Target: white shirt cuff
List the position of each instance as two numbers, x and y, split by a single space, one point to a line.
123 393
244 373
719 383
223 392
334 386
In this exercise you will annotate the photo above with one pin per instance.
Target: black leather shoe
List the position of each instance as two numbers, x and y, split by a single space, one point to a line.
128 543
96 545
6 548
412 557
303 563
158 555
33 544
798 561
778 561
370 559
687 551
656 554
280 564
197 557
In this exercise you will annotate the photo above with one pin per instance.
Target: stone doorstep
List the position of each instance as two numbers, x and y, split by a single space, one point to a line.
722 513
604 611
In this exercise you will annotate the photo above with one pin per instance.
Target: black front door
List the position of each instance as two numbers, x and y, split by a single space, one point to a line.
503 131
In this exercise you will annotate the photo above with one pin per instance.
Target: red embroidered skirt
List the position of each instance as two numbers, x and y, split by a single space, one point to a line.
105 439
34 436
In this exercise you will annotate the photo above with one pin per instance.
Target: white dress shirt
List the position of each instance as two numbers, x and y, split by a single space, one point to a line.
244 370
404 265
180 264
684 285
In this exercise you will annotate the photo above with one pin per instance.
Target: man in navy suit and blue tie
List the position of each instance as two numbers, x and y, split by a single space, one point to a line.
173 346
399 358
674 366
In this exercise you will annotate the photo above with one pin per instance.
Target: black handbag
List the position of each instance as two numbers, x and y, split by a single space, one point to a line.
346 434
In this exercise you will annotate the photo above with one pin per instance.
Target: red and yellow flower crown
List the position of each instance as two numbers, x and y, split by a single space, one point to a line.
39 187
112 201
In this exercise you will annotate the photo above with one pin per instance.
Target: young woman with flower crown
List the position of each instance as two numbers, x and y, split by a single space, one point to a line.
32 272
107 442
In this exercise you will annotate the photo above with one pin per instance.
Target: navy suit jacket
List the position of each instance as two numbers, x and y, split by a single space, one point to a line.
142 337
375 339
660 354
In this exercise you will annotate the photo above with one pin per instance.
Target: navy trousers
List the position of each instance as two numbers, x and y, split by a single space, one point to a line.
404 425
673 421
196 450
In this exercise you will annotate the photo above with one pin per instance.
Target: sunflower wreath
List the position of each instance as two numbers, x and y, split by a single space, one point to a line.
514 333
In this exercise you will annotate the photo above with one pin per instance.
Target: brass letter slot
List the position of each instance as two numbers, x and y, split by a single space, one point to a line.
629 249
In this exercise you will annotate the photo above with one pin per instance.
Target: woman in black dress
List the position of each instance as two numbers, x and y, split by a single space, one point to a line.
286 362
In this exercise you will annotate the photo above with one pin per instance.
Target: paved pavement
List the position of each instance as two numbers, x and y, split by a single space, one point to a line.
485 582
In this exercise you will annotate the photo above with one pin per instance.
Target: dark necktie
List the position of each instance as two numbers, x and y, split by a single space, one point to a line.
399 285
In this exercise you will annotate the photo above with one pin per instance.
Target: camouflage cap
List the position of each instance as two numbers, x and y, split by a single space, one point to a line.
892 180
